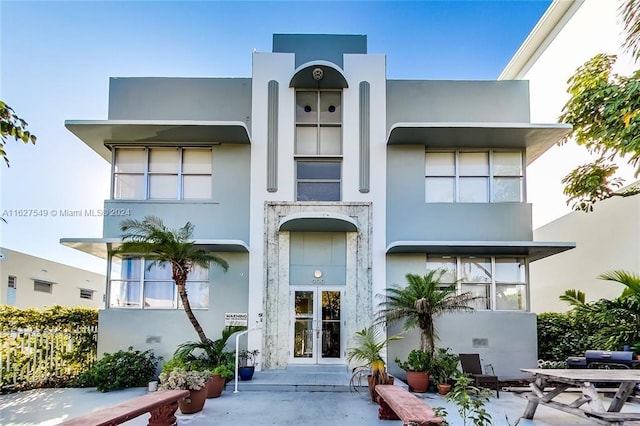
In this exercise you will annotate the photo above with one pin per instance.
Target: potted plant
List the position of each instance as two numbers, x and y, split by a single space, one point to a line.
247 365
417 366
210 355
444 368
219 376
191 380
369 342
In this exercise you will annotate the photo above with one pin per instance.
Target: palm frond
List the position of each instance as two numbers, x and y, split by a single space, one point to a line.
630 280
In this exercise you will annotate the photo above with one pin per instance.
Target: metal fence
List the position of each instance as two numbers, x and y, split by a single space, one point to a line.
32 357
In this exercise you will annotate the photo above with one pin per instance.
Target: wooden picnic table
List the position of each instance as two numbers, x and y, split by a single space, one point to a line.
561 379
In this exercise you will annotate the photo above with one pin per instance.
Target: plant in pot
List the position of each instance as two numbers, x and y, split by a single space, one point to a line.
211 354
417 366
247 364
369 342
192 380
219 376
445 368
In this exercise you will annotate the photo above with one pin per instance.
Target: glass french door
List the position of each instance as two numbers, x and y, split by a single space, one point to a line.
317 326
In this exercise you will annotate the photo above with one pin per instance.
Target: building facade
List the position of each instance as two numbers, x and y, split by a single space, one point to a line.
570 33
322 182
33 282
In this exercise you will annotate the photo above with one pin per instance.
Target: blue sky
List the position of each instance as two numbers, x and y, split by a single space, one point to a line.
57 57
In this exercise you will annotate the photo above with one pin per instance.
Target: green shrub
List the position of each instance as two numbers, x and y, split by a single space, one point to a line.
561 335
123 369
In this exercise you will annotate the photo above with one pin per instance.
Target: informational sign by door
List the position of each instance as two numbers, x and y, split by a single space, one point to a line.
236 319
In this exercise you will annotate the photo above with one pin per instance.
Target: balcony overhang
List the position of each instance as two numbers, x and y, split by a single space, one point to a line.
534 250
100 247
318 222
98 134
534 138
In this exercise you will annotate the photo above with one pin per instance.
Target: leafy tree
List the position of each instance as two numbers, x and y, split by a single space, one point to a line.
151 239
420 302
604 109
12 126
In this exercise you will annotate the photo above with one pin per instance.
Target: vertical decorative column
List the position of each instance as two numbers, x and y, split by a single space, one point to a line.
365 144
272 136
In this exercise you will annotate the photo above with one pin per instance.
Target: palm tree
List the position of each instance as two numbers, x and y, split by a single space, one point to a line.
420 302
630 13
151 239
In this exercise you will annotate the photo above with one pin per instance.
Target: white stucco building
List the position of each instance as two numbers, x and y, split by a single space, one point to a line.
322 182
32 282
570 33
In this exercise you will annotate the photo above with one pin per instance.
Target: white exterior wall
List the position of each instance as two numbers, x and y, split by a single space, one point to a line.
593 29
370 68
267 67
66 290
607 238
281 67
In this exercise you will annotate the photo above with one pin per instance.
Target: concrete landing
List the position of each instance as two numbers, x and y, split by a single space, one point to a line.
298 378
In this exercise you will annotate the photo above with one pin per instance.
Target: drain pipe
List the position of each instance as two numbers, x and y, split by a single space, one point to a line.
238 352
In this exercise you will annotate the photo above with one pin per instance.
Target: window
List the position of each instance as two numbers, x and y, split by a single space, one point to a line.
42 286
136 283
86 293
318 180
162 173
473 176
498 282
318 146
12 282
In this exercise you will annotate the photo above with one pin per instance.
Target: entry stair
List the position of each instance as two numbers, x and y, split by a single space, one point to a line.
301 378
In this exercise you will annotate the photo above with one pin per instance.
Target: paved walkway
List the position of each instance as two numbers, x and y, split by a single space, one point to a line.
47 407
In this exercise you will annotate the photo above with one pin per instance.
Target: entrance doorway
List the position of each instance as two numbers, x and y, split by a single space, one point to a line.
317 327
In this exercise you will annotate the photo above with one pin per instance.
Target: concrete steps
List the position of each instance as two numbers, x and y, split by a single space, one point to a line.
300 378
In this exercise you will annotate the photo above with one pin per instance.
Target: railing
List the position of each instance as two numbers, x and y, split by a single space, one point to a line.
32 357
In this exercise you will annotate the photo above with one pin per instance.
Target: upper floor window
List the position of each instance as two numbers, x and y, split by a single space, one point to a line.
162 173
318 136
42 286
137 283
473 176
498 282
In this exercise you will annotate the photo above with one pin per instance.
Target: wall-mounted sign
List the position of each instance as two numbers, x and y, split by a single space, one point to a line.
240 319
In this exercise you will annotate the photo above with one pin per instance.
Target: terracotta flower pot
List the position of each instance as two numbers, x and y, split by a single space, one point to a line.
418 381
194 402
215 386
444 388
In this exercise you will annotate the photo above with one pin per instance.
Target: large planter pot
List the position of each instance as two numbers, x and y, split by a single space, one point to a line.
215 386
418 381
372 386
246 373
444 388
194 402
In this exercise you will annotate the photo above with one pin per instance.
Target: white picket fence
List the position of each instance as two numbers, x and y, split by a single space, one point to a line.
29 357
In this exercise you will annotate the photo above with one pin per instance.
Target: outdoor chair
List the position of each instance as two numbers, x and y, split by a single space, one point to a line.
472 367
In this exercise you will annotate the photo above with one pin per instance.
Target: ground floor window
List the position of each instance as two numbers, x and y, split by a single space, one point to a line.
499 282
139 283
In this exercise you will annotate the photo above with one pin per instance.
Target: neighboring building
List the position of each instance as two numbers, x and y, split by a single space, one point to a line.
570 33
321 182
33 282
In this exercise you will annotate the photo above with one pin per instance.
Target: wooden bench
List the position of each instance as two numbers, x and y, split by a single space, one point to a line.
398 404
162 405
615 419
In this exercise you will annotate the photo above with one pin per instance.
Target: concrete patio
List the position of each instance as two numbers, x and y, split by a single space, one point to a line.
282 397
